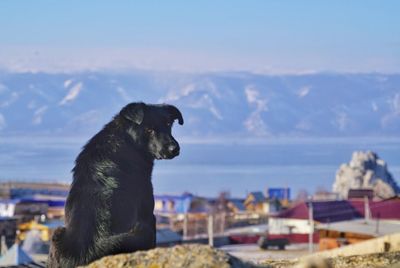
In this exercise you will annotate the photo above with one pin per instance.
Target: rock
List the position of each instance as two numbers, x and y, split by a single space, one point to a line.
192 255
377 260
365 171
189 255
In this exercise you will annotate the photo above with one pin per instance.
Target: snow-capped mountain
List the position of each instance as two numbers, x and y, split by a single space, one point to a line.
213 104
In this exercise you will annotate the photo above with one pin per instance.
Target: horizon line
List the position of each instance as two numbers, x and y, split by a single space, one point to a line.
127 70
216 140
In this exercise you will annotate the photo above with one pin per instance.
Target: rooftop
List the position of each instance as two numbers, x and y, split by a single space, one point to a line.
361 226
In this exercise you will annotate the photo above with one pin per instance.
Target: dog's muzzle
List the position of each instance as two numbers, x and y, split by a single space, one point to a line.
171 151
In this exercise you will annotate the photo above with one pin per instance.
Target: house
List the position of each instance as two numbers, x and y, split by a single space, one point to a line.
186 213
294 221
295 230
278 193
16 190
325 196
7 207
256 202
29 207
386 209
173 204
236 205
360 194
171 210
334 235
323 211
25 209
276 199
52 206
33 199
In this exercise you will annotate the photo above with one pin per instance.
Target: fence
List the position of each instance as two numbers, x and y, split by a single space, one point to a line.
194 225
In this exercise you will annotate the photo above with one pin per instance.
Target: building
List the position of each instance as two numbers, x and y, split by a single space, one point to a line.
334 235
295 230
8 230
386 209
235 205
33 199
323 211
16 190
256 202
360 194
325 196
54 205
276 199
295 223
173 204
24 209
7 208
29 208
278 193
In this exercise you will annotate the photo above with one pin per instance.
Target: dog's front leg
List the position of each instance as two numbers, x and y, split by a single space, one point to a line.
140 237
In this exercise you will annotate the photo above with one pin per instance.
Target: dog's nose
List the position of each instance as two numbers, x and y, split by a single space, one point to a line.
173 149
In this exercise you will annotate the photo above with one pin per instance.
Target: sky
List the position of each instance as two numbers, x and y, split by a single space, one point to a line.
260 36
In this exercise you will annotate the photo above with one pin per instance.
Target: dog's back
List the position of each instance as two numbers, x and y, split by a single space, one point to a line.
87 206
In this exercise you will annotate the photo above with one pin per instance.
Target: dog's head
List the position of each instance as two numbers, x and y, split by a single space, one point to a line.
150 127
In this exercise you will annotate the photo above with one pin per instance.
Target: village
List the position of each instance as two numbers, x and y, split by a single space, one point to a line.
270 220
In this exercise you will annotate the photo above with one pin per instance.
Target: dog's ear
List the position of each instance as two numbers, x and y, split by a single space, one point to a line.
134 112
175 113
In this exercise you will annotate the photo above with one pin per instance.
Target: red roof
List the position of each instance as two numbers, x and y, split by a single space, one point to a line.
386 209
333 211
299 211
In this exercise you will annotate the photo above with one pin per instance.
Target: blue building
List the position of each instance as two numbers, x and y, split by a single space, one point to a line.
174 204
279 193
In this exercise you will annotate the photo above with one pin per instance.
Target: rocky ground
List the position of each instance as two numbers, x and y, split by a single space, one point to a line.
196 256
189 255
253 253
379 260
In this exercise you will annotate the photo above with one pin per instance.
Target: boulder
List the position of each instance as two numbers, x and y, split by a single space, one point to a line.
365 171
376 260
189 255
192 255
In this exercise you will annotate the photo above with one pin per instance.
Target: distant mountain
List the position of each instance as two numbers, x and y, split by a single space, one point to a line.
213 104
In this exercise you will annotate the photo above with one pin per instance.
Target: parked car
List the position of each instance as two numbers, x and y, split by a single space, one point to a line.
264 242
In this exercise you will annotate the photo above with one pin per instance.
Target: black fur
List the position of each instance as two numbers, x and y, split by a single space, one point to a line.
109 209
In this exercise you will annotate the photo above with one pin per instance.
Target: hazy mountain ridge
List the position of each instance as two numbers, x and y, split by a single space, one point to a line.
213 104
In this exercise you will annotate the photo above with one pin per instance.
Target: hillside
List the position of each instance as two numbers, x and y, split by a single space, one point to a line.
213 104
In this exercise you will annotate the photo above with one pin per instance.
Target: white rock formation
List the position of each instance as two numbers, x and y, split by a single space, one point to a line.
365 171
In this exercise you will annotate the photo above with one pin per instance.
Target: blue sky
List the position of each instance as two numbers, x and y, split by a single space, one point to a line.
263 36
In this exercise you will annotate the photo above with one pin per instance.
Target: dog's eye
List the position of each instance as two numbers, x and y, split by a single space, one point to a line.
169 124
150 131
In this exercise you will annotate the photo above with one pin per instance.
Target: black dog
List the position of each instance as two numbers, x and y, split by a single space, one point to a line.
109 209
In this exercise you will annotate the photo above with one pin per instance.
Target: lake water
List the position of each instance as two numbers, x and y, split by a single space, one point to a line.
207 169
